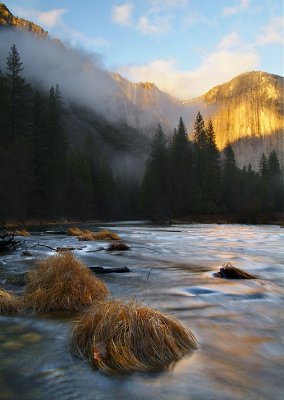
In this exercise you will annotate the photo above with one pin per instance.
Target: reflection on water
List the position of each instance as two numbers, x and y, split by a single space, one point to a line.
239 324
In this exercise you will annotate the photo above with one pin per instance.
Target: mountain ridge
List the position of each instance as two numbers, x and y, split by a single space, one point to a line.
247 109
9 20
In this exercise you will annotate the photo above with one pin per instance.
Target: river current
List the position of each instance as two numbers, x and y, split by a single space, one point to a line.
239 324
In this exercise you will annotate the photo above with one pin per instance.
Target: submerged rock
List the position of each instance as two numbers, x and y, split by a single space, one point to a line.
230 272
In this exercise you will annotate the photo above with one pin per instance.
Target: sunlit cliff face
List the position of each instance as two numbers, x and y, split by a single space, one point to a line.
247 111
251 105
8 19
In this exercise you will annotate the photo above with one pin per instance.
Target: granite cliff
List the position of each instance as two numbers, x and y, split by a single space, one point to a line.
7 19
250 105
246 111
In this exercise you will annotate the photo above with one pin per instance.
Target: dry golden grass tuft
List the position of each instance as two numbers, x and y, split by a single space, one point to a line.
130 336
88 235
22 232
62 283
9 304
74 231
106 235
118 246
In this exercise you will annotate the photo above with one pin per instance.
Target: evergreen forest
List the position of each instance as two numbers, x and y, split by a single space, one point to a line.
46 174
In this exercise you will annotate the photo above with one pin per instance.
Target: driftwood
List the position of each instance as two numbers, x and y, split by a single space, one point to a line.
8 242
57 249
102 270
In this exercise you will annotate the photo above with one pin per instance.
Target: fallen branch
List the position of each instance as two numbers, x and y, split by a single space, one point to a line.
93 251
149 273
10 243
41 245
57 249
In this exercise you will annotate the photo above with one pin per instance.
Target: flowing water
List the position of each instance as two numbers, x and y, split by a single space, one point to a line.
239 324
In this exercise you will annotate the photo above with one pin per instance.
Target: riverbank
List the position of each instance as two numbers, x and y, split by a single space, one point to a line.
258 219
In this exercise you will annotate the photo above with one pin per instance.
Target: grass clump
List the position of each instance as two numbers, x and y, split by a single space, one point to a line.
74 231
22 232
130 336
62 283
9 304
106 235
86 235
118 246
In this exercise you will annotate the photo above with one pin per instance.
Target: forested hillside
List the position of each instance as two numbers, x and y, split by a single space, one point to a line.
58 159
61 160
186 178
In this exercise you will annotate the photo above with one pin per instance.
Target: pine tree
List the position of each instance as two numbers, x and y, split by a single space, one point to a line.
39 154
200 160
155 186
105 190
211 176
276 181
265 192
57 155
180 171
249 203
4 110
19 96
80 189
230 180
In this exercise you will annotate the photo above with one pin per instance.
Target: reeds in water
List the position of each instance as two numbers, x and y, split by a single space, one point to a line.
9 304
62 283
118 246
86 235
130 336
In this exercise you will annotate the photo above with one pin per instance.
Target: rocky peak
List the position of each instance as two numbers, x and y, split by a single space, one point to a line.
266 87
7 19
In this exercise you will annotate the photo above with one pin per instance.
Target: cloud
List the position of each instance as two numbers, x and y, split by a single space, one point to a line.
196 18
161 5
79 39
157 26
233 42
242 6
122 15
215 68
230 41
52 18
53 21
49 19
273 32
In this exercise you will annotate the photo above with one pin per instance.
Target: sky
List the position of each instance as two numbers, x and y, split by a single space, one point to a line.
184 46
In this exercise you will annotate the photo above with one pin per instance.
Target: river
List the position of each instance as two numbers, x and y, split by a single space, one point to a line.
239 324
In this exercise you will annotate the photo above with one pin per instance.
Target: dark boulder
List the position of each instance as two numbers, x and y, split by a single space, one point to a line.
230 272
102 270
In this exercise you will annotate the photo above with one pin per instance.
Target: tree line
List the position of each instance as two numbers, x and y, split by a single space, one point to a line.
45 174
192 177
